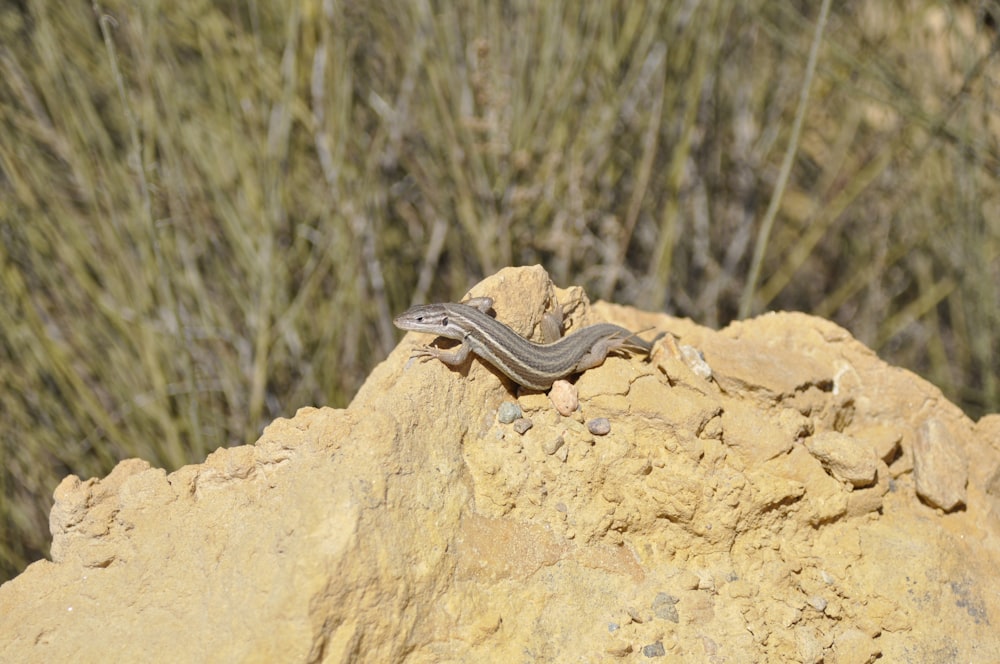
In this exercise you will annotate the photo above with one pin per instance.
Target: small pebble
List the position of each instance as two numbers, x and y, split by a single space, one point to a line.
654 650
619 649
564 397
599 426
818 603
522 424
664 606
508 412
552 446
695 360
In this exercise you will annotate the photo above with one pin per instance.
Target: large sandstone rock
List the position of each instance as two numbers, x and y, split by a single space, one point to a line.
731 514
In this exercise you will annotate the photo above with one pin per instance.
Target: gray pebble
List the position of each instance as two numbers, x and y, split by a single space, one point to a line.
522 424
664 606
599 426
508 412
654 650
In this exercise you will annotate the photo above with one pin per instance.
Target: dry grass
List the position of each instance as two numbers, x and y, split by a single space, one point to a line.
211 210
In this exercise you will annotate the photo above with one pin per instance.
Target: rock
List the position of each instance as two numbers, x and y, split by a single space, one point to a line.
940 468
564 398
654 650
413 526
987 472
522 424
883 439
552 445
508 412
599 426
847 459
665 607
854 646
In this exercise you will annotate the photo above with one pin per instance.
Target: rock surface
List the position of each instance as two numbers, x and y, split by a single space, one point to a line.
413 526
845 458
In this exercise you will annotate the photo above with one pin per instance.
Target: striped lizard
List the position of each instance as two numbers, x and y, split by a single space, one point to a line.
529 364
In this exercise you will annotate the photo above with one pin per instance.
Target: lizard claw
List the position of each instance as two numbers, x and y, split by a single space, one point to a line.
423 351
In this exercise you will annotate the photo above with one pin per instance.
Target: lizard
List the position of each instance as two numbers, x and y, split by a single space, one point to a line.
532 365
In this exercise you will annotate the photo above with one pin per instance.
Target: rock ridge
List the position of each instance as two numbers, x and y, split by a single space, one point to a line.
768 492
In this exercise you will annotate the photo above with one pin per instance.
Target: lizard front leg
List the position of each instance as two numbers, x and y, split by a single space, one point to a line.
452 359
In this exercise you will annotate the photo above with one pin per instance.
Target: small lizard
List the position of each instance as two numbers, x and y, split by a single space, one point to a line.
529 364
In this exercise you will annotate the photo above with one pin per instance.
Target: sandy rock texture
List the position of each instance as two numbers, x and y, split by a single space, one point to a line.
769 492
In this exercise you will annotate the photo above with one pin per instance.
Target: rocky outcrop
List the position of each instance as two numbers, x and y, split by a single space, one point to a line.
769 492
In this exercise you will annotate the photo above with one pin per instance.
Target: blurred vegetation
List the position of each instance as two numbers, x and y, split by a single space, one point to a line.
210 210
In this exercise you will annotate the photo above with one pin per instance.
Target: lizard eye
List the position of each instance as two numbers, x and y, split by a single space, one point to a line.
444 321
